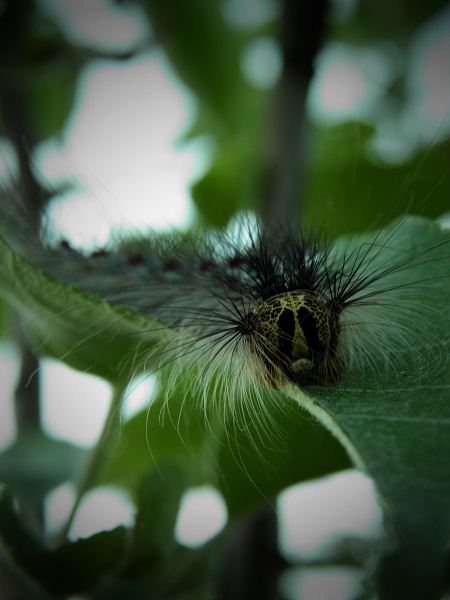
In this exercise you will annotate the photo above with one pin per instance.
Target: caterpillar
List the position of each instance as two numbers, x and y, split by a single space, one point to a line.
251 310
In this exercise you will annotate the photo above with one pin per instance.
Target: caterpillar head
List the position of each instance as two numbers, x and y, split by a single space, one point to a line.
295 335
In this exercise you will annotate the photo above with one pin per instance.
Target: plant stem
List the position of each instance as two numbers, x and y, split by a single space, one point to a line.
18 127
253 562
92 469
26 395
302 30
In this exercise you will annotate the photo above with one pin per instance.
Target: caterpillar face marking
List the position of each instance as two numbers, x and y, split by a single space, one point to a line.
297 333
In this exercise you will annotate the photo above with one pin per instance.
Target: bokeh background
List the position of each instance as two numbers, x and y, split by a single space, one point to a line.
151 115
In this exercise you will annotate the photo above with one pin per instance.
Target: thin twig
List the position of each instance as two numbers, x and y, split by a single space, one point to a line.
253 562
92 469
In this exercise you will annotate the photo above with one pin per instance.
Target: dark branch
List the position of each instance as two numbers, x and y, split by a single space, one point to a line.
302 30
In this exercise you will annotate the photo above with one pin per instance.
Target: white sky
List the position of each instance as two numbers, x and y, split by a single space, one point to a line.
121 143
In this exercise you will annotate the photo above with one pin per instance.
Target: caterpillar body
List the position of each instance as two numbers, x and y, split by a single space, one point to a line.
264 308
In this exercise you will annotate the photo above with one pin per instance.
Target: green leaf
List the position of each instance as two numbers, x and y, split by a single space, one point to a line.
158 499
81 329
257 462
249 464
373 19
74 567
202 48
4 317
185 575
35 464
395 425
155 436
155 565
38 70
226 188
355 193
51 99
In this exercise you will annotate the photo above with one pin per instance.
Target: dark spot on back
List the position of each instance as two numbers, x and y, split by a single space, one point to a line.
172 264
134 260
236 261
64 245
100 253
207 265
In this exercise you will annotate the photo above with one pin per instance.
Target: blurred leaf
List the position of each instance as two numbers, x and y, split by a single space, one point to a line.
373 20
140 563
158 499
14 585
35 464
38 71
354 194
396 425
233 182
74 567
226 188
249 465
82 329
5 313
187 575
159 434
258 462
155 565
203 49
51 99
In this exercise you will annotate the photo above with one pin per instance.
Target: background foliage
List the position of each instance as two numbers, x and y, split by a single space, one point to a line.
260 138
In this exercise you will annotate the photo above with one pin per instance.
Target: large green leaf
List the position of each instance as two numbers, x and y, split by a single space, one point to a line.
74 567
249 465
354 193
399 433
35 464
375 20
203 49
38 72
81 329
141 562
253 466
155 436
395 424
158 500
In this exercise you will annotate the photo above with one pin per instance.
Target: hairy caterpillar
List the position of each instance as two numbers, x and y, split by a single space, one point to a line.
255 310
